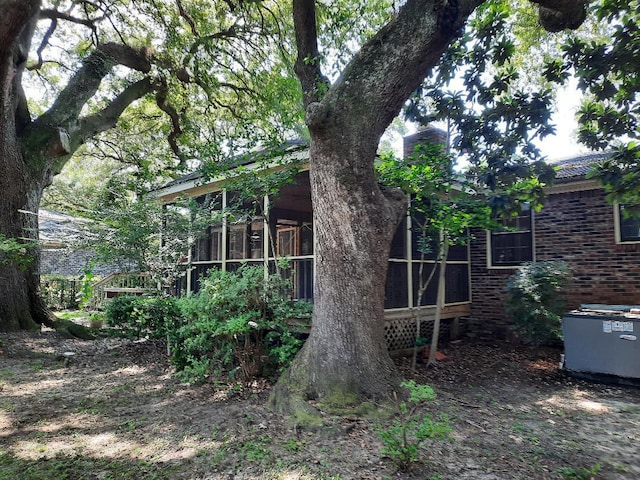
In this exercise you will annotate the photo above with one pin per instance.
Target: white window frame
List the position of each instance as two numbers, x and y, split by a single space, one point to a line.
617 222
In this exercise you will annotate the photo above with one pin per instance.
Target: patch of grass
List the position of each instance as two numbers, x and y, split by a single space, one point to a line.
36 366
94 406
72 315
579 473
256 450
217 457
300 473
130 425
632 409
294 445
62 467
517 427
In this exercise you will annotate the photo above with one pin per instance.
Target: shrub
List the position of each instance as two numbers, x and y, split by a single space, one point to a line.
96 320
143 316
534 301
404 437
236 323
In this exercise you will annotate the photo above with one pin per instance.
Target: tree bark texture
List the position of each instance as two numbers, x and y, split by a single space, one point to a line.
19 303
33 151
354 217
346 351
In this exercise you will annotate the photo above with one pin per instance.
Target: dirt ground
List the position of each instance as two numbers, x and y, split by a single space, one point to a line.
113 410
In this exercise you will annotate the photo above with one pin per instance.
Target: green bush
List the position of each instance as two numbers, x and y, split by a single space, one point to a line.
143 316
404 437
236 323
534 300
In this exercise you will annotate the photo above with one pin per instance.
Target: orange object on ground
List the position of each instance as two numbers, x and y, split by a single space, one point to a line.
439 355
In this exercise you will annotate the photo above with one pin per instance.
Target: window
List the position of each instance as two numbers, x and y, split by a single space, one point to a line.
216 244
256 238
201 250
287 239
237 242
513 245
629 227
306 235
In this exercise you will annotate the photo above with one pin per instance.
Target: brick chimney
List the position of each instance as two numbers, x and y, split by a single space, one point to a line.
428 134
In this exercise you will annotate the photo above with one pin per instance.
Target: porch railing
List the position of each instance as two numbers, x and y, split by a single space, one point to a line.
120 284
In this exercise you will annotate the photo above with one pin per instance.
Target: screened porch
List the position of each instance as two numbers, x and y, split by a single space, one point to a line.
247 235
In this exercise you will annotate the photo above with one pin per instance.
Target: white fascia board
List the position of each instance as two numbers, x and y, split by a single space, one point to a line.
196 187
570 186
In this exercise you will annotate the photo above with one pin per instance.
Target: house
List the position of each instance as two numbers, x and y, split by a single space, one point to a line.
59 235
288 232
576 225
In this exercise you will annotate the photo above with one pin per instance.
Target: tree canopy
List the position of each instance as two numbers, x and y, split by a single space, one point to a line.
190 74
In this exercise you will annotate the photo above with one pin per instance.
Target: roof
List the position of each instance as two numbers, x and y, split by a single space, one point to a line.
576 167
568 170
241 160
59 228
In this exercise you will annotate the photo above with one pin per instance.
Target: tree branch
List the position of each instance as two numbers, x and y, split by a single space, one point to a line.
176 129
107 118
183 13
392 64
230 32
57 15
84 84
382 75
307 65
43 45
17 23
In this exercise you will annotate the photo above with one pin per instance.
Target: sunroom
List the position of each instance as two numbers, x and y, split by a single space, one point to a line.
250 236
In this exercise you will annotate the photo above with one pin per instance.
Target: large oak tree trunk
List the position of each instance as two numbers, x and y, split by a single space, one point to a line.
346 356
346 353
20 307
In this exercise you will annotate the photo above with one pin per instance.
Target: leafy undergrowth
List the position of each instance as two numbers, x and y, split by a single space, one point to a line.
114 411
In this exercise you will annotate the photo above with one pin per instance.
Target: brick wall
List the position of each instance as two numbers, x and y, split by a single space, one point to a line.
577 227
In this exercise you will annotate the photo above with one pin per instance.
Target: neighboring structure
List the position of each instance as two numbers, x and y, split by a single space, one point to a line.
62 262
59 235
576 225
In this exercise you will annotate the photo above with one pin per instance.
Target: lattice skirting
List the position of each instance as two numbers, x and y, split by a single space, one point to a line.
401 333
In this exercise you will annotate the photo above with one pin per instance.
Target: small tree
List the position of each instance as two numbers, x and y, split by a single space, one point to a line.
443 207
534 301
404 437
129 228
14 251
